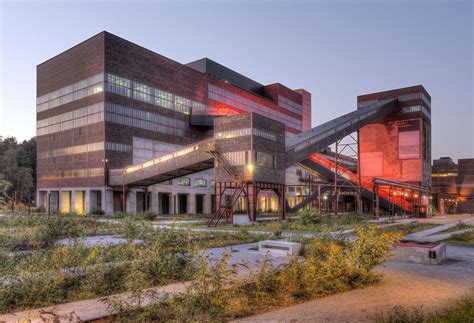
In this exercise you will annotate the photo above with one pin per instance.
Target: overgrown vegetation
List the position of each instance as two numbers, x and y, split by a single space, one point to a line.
461 311
466 238
217 293
35 271
27 232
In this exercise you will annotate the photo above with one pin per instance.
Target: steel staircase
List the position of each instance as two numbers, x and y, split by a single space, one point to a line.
367 183
226 210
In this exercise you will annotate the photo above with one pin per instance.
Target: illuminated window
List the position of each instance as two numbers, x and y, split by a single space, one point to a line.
168 182
183 181
200 182
232 133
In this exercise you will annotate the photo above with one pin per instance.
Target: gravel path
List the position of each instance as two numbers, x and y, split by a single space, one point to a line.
407 284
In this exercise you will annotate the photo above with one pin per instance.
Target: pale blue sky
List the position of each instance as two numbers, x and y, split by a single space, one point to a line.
334 49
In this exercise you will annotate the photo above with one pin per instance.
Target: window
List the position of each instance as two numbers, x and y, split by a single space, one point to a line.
409 139
183 181
265 160
237 158
168 182
264 134
232 133
200 182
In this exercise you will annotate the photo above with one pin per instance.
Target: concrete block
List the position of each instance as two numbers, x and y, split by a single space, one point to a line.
241 219
422 253
280 247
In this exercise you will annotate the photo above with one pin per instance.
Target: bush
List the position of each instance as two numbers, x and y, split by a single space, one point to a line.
97 211
309 217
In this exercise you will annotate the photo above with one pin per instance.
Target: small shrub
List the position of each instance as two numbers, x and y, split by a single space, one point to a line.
309 217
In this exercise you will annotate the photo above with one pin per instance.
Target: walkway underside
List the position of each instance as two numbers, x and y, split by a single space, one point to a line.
196 157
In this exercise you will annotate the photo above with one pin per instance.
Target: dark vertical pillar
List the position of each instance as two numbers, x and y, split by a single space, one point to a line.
281 196
145 207
252 202
218 196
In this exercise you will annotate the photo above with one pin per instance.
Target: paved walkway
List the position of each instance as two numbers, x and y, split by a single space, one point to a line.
407 284
430 235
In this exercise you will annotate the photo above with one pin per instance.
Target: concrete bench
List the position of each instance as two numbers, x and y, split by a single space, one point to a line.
280 247
422 253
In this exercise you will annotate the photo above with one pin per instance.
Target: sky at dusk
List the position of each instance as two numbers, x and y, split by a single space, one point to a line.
334 49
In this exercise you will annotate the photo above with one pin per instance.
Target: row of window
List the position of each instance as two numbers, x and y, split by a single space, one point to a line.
70 88
86 148
114 113
186 181
120 86
232 133
289 105
245 132
114 146
417 108
238 158
220 95
264 134
77 95
148 94
88 172
241 158
142 124
79 149
69 120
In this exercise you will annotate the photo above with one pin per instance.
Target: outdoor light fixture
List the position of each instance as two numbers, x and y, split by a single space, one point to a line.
250 167
406 194
325 197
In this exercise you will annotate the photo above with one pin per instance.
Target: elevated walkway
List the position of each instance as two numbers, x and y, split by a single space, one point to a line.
196 157
186 160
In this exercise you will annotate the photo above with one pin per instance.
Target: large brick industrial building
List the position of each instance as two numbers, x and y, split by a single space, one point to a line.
121 128
107 103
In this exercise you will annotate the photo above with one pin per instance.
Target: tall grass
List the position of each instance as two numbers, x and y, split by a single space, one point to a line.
216 293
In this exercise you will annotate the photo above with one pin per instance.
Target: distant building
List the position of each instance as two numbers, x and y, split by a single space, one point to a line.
107 103
453 185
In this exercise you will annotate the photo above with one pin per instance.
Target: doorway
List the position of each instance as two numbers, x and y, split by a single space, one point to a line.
199 203
182 203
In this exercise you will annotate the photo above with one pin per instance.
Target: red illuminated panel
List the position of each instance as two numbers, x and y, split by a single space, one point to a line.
409 139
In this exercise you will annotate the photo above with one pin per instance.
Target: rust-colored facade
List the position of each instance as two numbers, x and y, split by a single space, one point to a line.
400 148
